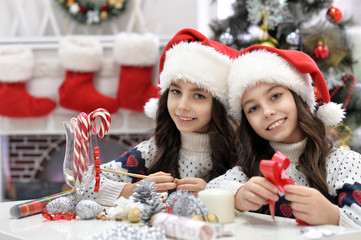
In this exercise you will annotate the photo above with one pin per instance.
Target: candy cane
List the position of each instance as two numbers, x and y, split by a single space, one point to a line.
77 174
104 128
105 120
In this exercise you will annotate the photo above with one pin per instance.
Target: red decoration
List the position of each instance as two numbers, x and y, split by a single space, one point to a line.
274 171
105 8
321 51
97 168
335 14
351 77
82 9
58 216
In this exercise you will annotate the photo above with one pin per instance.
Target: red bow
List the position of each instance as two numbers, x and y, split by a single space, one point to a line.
274 171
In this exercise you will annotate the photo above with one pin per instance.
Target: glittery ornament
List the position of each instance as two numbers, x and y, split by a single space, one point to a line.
173 197
134 215
335 14
293 38
321 51
144 191
127 232
187 205
226 38
197 217
211 218
151 207
88 209
62 204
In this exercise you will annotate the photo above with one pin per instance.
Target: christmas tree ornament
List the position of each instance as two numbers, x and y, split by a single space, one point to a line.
137 55
293 38
16 69
81 56
347 78
210 217
270 12
129 232
134 215
197 217
226 38
335 14
321 51
88 209
62 205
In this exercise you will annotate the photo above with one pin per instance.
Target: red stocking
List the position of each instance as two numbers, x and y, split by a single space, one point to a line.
82 57
137 55
16 66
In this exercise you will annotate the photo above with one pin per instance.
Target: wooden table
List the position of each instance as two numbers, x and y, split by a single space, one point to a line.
246 226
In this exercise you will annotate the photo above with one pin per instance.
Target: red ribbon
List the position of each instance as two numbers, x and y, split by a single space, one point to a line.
58 216
274 171
97 168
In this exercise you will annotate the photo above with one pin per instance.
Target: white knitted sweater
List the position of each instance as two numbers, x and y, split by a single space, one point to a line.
344 179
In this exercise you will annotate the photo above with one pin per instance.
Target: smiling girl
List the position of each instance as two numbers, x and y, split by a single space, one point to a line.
194 138
272 91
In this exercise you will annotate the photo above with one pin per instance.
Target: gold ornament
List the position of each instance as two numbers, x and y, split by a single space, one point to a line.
103 15
134 215
212 218
267 43
197 217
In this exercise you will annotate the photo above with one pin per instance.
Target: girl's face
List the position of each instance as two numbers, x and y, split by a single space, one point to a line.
271 111
189 107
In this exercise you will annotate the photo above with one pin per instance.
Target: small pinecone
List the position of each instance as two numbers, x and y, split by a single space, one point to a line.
62 204
88 209
151 207
144 191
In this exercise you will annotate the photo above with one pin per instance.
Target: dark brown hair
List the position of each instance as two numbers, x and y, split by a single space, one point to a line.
168 141
312 162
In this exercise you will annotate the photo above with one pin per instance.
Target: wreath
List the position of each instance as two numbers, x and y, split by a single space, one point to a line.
87 12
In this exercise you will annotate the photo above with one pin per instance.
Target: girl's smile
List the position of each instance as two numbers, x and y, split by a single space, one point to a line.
271 111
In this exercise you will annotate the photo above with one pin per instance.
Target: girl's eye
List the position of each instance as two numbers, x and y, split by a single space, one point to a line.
252 109
199 96
176 91
276 96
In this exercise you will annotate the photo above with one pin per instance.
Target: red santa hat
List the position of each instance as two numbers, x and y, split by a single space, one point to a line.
190 56
292 69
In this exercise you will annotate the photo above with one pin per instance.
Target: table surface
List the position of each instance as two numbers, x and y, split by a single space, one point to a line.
246 226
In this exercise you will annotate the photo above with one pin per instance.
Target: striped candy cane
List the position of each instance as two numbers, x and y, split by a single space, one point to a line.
104 128
105 120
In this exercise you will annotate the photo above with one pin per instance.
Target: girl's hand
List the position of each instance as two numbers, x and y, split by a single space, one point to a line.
193 185
163 181
255 193
311 206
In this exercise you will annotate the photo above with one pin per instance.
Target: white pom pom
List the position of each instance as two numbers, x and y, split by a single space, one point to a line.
151 107
331 113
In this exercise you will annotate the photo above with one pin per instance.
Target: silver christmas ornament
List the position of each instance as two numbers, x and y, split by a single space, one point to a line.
293 38
226 38
88 209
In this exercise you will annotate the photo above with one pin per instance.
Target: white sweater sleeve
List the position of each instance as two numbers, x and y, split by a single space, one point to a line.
136 160
232 180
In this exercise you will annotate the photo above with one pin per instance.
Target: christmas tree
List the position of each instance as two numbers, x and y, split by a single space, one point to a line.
315 27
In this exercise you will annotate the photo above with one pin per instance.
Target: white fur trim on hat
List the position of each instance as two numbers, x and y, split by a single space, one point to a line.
16 63
136 49
262 66
151 107
80 53
198 64
331 113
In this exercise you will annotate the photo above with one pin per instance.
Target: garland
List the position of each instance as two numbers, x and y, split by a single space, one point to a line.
87 12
